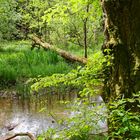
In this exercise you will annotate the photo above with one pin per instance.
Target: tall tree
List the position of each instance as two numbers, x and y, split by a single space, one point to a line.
80 20
122 31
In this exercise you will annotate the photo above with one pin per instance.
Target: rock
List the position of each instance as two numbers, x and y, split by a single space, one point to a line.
10 127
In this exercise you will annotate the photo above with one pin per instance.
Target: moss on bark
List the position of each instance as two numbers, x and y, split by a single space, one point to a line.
122 31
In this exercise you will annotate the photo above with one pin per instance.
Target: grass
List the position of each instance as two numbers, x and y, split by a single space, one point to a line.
18 62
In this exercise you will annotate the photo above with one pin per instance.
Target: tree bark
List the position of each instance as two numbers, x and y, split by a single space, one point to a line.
122 32
61 52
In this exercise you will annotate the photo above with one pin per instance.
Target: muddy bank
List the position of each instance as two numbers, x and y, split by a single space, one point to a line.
8 94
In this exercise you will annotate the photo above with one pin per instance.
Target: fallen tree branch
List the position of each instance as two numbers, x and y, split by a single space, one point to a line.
22 134
61 52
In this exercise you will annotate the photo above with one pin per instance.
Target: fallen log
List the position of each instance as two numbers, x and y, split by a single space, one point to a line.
21 134
59 51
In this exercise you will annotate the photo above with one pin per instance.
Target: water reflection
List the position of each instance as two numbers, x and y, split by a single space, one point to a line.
31 114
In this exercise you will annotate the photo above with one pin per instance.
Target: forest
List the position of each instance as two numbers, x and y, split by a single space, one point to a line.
69 70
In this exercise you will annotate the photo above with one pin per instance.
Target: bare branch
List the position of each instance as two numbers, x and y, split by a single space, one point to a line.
21 134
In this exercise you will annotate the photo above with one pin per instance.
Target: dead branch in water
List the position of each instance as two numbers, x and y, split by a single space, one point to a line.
21 134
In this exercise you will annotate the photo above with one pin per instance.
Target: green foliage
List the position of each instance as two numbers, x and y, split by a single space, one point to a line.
17 62
8 19
86 116
88 77
65 24
73 15
125 124
62 22
82 125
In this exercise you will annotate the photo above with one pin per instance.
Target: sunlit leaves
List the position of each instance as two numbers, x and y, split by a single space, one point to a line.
8 18
124 123
89 78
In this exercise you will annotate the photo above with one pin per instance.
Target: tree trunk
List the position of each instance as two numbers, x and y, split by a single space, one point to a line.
85 31
122 32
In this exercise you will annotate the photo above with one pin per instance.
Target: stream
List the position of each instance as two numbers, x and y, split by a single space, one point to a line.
31 114
35 115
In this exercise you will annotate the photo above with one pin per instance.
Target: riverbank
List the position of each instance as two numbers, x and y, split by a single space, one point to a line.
18 64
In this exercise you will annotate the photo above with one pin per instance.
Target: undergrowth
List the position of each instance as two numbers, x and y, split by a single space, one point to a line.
90 119
18 62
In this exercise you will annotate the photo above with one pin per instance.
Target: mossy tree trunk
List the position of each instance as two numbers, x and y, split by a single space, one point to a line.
122 32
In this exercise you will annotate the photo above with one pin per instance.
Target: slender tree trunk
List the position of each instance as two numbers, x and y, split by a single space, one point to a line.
85 31
122 31
45 28
85 38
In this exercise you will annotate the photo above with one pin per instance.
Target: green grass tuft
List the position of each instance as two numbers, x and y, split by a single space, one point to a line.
17 62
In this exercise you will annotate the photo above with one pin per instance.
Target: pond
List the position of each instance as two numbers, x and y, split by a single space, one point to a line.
37 113
32 115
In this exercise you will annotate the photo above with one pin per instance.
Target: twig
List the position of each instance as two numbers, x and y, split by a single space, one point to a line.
22 134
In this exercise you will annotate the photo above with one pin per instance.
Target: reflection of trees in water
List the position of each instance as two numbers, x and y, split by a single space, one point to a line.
2 118
9 107
51 101
5 110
